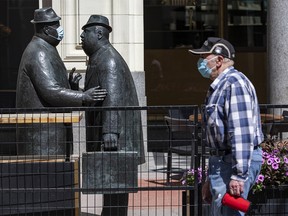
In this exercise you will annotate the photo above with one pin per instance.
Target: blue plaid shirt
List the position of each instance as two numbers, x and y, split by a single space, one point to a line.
232 119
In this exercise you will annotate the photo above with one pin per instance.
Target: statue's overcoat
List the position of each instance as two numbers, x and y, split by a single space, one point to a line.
42 82
108 69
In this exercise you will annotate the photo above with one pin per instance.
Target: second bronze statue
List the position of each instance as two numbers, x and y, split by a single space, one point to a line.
117 130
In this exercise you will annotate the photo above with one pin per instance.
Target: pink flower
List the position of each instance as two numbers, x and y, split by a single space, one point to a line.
270 161
275 151
265 155
277 160
260 178
188 177
274 171
275 166
190 172
183 182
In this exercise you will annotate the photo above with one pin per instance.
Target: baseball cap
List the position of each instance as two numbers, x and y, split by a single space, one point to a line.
217 46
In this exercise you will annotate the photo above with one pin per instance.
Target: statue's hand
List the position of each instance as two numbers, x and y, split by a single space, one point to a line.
110 142
74 80
94 94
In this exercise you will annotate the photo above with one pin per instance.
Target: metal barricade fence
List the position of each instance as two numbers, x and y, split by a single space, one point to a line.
53 161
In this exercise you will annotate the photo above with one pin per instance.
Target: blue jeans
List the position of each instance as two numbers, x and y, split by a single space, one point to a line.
220 172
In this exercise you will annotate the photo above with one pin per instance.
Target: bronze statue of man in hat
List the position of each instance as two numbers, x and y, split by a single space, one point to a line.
116 130
42 82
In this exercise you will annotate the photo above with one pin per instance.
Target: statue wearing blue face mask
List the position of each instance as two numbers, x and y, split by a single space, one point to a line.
42 82
59 32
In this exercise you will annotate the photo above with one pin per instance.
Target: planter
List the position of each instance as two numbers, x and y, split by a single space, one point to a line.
38 187
271 201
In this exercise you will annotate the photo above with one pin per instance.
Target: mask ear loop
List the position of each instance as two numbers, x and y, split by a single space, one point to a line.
46 31
211 60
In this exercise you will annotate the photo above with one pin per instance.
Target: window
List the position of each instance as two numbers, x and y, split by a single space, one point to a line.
171 27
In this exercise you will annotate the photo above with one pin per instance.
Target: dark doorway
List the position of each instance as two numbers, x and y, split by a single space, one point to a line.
15 33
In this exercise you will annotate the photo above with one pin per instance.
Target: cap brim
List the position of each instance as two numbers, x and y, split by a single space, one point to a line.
199 51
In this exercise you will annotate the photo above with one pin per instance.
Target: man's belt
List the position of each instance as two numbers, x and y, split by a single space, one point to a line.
220 152
223 152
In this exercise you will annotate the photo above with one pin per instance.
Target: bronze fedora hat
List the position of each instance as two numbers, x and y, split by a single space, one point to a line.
45 15
98 20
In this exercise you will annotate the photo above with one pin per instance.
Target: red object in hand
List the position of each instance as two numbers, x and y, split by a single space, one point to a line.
235 202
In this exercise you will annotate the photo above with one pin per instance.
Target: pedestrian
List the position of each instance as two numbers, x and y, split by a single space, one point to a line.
117 130
233 126
43 82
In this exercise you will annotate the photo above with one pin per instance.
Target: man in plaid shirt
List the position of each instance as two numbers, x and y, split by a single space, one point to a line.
233 126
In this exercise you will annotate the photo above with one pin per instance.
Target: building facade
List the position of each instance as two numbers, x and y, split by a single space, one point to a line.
153 36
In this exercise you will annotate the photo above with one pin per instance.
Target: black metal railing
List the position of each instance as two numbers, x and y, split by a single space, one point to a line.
53 160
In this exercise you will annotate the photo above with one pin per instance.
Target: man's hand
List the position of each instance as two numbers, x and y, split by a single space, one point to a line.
110 141
236 188
94 95
206 193
74 80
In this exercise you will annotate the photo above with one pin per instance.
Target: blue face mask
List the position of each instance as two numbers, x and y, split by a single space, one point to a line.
204 70
60 33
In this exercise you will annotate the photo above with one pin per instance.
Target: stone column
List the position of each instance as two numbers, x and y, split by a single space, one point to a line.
277 50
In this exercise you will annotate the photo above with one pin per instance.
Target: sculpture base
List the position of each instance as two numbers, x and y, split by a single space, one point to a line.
31 186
